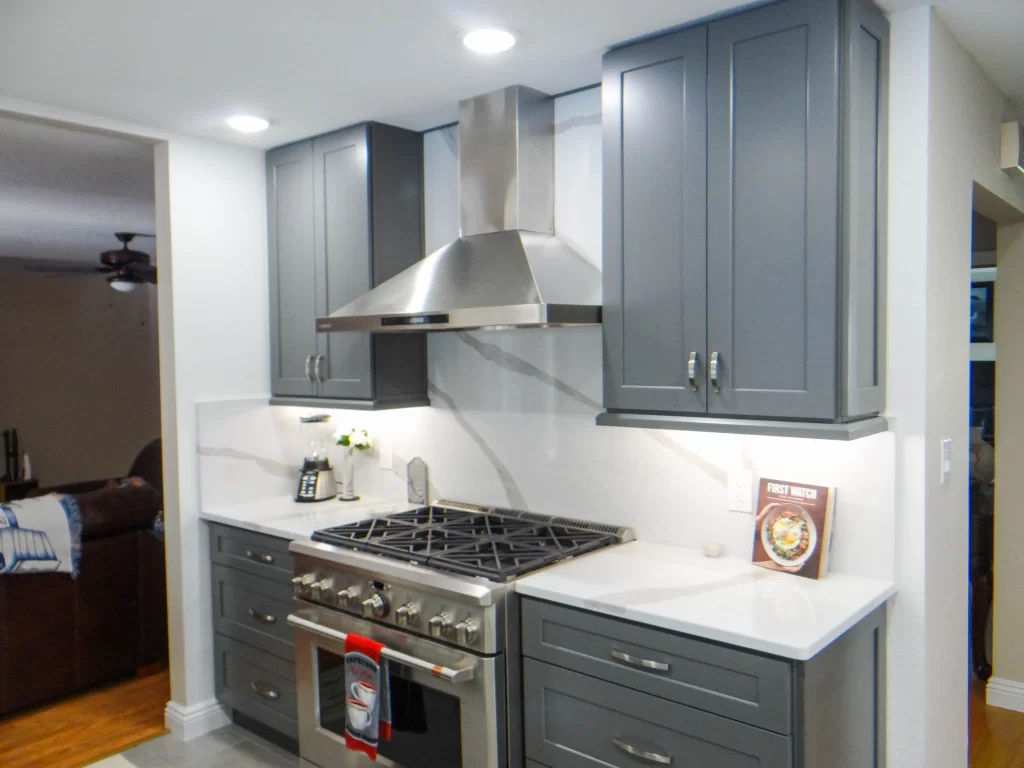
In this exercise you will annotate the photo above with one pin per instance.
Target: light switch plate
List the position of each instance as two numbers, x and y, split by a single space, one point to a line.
947 460
386 454
740 491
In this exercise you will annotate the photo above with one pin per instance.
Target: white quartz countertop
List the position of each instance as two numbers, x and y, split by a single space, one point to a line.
725 599
287 519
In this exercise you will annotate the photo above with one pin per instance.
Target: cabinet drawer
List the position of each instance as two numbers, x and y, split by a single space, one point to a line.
253 610
575 721
258 684
727 681
255 553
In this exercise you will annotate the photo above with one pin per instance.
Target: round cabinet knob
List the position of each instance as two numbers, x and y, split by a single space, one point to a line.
375 607
466 632
408 615
322 590
347 597
439 625
302 585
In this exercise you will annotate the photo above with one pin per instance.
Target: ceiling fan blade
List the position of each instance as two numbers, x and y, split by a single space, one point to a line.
144 272
66 268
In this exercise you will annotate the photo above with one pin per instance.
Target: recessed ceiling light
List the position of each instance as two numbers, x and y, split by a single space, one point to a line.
248 124
488 41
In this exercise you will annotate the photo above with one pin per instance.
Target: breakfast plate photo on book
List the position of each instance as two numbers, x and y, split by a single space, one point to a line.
793 530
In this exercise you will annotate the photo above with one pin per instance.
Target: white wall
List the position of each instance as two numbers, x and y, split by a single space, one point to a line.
211 212
944 129
213 317
80 373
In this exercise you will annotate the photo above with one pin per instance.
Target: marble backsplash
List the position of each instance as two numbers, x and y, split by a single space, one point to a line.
512 416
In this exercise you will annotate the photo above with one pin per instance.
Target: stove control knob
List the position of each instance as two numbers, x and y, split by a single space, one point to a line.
408 615
301 585
375 606
439 625
322 590
347 597
466 632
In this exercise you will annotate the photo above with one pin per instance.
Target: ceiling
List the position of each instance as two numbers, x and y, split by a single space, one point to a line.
63 193
308 66
314 65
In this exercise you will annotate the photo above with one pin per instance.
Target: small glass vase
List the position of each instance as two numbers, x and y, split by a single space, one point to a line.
345 489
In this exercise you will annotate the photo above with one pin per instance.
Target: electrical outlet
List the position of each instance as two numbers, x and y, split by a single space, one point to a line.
740 492
947 461
386 454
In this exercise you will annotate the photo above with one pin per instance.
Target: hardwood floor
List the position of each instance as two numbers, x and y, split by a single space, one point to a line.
997 735
81 730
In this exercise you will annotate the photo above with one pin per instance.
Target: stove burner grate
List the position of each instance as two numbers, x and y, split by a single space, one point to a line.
495 546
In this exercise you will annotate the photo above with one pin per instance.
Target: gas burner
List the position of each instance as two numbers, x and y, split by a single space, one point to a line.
475 542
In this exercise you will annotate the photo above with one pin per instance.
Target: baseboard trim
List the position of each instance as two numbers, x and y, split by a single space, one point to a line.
187 723
1007 694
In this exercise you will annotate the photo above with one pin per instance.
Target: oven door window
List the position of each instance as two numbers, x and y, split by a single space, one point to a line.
426 724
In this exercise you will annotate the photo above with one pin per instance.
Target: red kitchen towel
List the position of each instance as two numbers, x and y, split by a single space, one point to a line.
367 685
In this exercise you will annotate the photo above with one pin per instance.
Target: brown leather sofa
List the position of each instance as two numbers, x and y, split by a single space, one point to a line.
59 635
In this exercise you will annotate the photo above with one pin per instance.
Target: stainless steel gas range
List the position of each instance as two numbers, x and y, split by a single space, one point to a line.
434 585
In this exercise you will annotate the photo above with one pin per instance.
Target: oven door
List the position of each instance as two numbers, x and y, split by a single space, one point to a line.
436 723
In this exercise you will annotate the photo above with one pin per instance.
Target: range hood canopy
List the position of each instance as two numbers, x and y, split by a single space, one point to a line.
507 270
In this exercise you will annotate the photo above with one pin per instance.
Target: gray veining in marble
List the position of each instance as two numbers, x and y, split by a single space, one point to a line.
577 122
271 467
495 354
515 498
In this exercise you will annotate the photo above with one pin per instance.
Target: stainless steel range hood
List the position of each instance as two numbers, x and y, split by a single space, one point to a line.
507 270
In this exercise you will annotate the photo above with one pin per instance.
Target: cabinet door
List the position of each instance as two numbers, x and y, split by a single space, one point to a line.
655 159
292 274
773 183
342 215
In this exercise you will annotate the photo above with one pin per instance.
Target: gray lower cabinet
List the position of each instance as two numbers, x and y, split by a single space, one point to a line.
253 645
600 691
744 224
345 213
575 721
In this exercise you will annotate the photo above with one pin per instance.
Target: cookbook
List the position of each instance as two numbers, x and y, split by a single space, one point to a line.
793 531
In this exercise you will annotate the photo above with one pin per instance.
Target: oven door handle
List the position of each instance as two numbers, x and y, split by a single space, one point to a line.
444 673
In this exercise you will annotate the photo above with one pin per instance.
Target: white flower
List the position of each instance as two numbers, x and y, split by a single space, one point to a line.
339 433
360 438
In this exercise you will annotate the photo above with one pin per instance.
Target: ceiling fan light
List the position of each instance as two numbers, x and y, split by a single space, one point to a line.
122 284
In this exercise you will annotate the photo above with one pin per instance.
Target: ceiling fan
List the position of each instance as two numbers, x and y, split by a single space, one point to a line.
126 268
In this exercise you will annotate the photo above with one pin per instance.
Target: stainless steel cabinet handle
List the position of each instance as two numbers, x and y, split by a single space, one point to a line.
643 754
691 371
713 371
309 367
265 690
636 661
319 368
260 557
263 618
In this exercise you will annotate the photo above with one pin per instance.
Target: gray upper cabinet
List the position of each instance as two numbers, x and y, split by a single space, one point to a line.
744 222
292 272
345 214
655 158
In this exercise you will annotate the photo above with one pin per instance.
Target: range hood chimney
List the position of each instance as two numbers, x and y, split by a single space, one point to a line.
507 270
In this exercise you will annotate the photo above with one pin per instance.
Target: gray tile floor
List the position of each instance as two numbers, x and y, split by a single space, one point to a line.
229 747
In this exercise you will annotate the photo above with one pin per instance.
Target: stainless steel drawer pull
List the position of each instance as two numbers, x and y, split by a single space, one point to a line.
265 690
636 661
691 371
263 618
260 557
437 670
713 371
643 754
318 368
309 367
